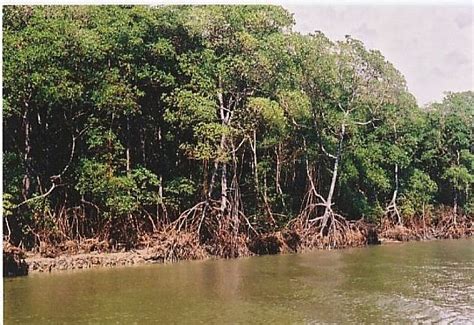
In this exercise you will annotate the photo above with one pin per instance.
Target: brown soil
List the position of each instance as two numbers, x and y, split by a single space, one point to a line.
164 247
37 263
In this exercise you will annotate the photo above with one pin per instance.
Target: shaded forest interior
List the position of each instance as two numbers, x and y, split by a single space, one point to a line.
219 128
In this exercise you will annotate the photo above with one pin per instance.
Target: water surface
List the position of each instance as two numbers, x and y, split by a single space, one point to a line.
411 282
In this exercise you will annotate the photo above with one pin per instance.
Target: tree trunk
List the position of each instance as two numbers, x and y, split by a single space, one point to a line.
223 174
393 202
205 176
160 178
212 182
329 198
396 182
455 207
278 175
253 145
235 199
224 188
225 120
128 146
143 146
27 155
424 220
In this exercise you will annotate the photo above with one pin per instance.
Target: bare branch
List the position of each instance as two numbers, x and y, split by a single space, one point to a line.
39 196
55 178
327 153
240 144
71 156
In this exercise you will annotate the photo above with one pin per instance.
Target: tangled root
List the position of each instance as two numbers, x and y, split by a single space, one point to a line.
286 241
337 233
445 225
173 246
13 260
393 231
453 226
227 245
331 230
223 234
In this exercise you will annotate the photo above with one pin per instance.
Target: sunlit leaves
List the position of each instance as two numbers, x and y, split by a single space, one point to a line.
157 97
115 192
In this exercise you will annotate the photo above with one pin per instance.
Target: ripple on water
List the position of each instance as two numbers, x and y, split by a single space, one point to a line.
426 310
411 283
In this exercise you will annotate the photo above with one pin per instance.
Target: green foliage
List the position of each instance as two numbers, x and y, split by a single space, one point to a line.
8 205
296 104
136 110
13 169
117 194
179 192
459 176
419 194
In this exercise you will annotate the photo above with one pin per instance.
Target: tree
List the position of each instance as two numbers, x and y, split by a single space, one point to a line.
219 121
357 86
456 114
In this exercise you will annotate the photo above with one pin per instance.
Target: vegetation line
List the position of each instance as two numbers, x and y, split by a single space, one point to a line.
217 130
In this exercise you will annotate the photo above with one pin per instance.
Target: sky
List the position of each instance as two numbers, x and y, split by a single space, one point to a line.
432 46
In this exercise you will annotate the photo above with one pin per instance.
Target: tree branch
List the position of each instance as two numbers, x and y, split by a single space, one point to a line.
40 196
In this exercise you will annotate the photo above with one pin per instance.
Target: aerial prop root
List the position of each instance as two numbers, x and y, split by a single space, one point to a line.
451 225
330 230
206 217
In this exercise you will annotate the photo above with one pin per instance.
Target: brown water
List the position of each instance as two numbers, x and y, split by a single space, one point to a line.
412 282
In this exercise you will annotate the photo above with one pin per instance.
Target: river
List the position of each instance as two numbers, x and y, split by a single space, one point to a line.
409 282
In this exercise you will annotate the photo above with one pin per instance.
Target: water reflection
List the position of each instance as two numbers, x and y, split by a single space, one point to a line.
414 282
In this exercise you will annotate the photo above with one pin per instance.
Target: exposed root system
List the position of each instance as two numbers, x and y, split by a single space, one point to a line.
445 225
338 233
13 260
286 241
204 231
173 246
222 233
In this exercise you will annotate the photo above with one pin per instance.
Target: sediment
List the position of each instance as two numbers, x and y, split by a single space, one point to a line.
36 263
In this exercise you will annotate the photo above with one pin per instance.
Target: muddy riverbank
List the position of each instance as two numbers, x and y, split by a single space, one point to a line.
166 247
36 263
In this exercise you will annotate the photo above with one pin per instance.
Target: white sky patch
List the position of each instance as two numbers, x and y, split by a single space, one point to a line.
432 46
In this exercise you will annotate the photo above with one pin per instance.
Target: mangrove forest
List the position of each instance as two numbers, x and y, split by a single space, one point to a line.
219 131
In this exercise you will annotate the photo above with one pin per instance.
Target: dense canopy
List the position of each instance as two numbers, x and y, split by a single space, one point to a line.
218 120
